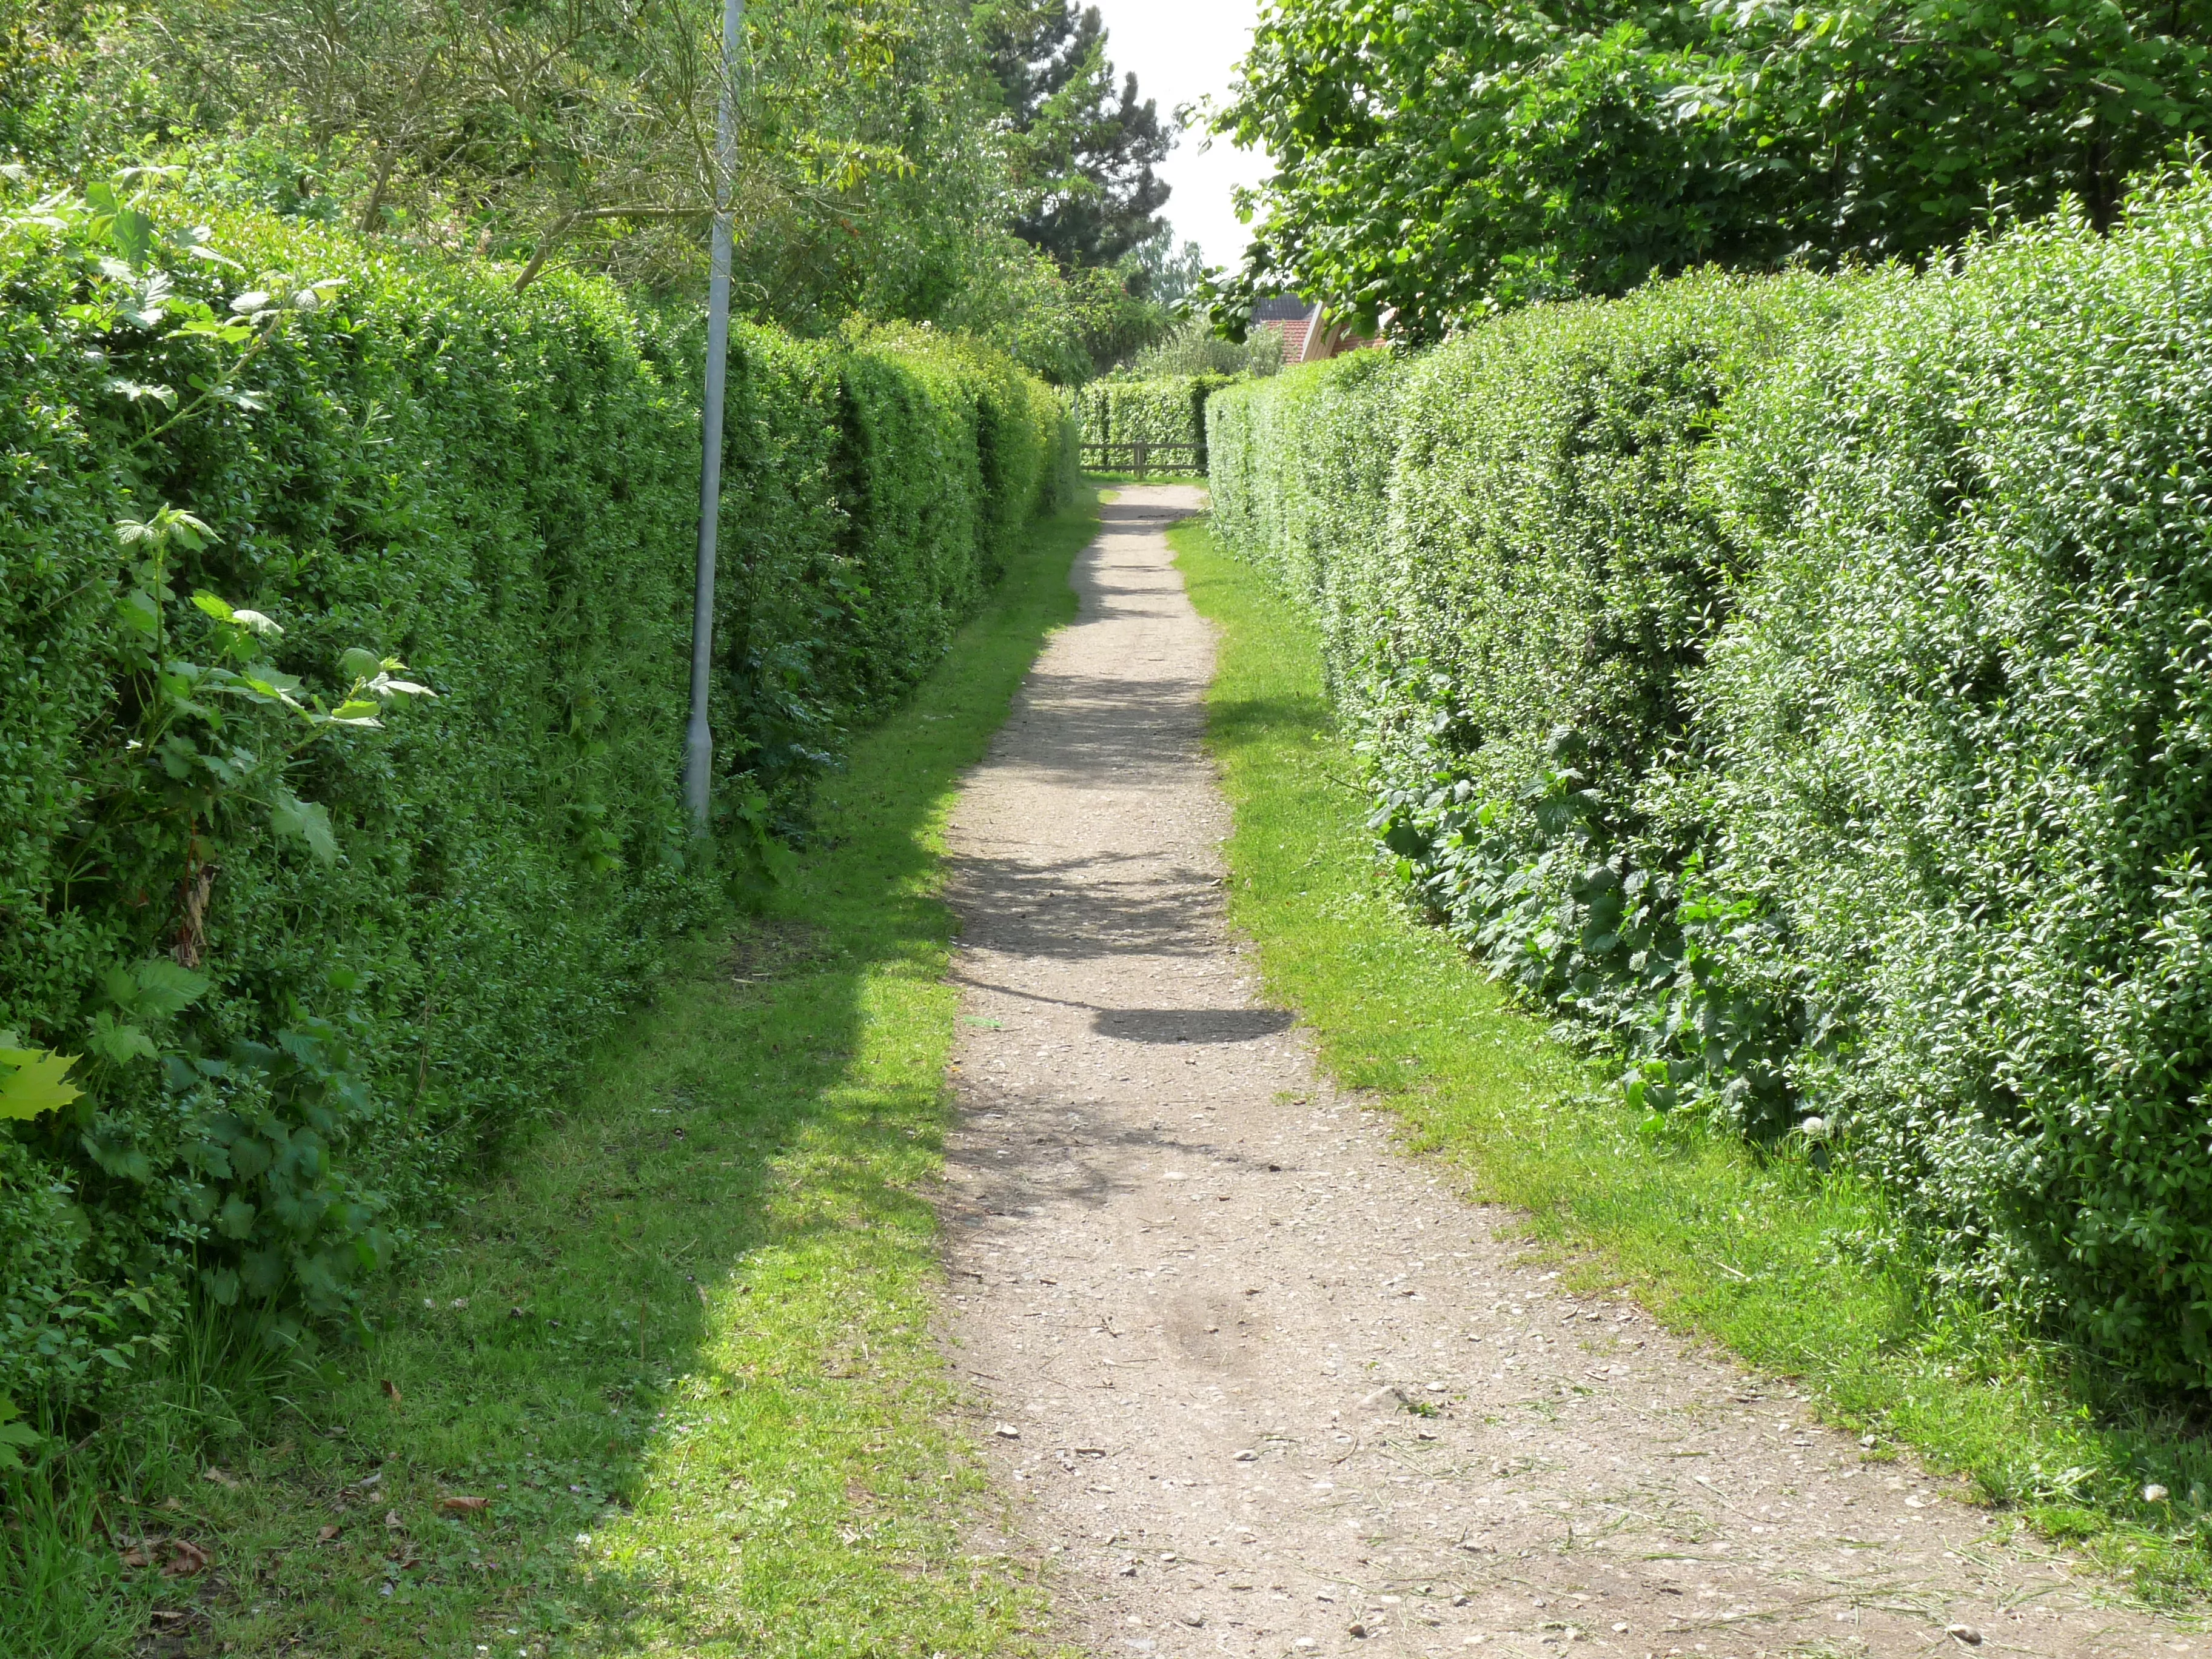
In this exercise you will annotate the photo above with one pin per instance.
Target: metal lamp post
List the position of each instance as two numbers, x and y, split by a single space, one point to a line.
698 737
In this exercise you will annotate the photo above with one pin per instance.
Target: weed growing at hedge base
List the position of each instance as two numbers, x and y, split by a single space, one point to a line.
680 1343
1711 1236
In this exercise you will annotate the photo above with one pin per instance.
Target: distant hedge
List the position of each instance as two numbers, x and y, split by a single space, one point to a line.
1299 468
1810 685
1166 411
310 966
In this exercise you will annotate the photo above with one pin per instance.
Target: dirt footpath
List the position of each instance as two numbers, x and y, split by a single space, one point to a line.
1258 1385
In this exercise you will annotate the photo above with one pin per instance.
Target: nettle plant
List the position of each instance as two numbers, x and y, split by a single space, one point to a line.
219 731
229 1141
214 740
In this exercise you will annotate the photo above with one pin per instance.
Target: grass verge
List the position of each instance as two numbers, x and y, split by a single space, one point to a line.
667 1382
1762 1254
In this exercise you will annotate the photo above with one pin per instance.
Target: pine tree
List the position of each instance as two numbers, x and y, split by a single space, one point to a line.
1087 151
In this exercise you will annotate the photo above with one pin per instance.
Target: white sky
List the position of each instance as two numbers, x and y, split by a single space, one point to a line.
1183 51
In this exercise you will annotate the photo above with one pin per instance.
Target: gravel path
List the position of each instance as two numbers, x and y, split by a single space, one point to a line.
1257 1384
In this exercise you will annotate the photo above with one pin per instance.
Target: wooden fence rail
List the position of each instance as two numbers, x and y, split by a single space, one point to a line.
1141 456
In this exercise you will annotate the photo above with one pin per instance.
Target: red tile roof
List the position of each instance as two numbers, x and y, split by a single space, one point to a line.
1307 337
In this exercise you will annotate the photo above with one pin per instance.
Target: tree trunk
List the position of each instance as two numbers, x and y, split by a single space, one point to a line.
546 243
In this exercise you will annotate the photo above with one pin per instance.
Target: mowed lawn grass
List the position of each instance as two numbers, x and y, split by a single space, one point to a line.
1767 1255
680 1346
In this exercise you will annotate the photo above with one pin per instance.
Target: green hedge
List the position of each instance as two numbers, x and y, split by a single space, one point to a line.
409 935
1810 685
1166 411
1515 559
1300 481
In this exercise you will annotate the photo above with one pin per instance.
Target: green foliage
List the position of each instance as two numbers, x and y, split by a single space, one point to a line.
1803 683
1299 468
1194 348
1957 747
1510 594
1083 148
1163 411
15 1437
876 170
33 1081
1434 161
1720 1239
276 1223
1163 273
315 956
732 1200
73 1312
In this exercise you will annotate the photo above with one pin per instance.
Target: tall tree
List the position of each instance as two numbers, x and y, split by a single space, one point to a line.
1434 159
876 176
1159 270
1086 151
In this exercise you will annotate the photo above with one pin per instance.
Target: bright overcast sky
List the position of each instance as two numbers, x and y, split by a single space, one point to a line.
1183 51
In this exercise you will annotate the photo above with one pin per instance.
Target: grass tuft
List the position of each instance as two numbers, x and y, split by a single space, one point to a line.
1764 1254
